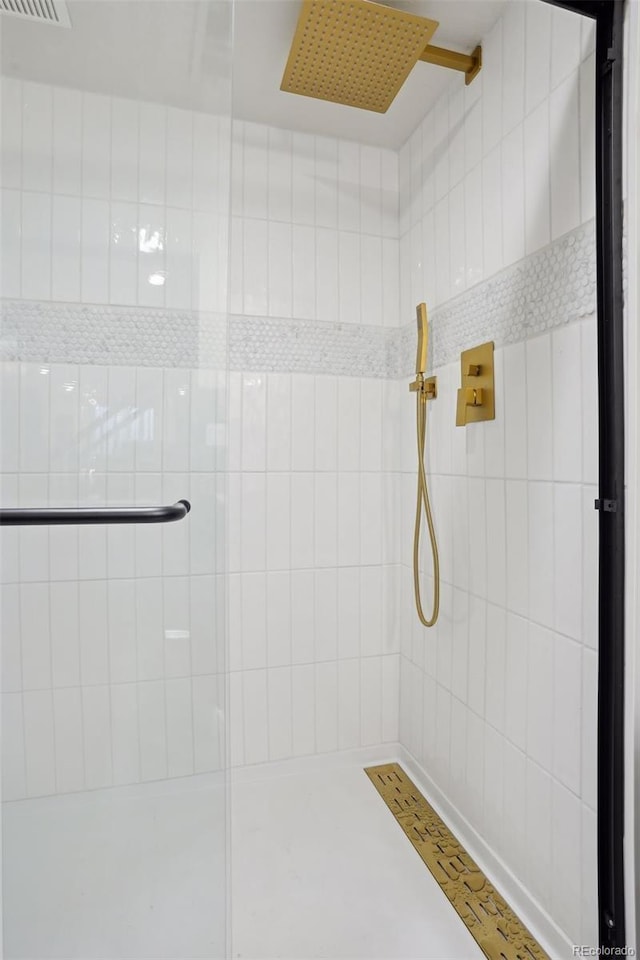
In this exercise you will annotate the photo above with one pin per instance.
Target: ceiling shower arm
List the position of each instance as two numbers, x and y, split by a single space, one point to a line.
41 516
469 64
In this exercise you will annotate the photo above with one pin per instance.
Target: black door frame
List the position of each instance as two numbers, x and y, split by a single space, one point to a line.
609 17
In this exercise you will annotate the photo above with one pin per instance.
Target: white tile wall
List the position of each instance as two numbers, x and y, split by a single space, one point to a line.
325 652
498 702
104 630
107 200
315 228
113 638
313 573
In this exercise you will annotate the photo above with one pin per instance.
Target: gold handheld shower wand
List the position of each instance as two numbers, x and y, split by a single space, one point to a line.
425 389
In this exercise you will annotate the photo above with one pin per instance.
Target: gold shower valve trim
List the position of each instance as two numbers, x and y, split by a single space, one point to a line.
359 53
476 396
497 930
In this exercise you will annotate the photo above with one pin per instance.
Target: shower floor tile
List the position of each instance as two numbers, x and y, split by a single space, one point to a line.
320 868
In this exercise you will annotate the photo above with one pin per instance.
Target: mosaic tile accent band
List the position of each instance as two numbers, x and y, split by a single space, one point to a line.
52 332
548 289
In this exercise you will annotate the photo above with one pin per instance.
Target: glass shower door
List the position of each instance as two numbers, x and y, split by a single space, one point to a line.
115 184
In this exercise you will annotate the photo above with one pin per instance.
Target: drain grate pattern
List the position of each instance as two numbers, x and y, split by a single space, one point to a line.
492 923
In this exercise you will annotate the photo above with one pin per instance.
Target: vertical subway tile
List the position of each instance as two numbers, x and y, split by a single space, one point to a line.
442 252
11 640
564 141
540 697
370 701
124 149
178 702
151 255
36 246
304 278
255 268
349 252
348 185
279 174
39 745
538 830
326 182
208 701
34 630
179 159
517 556
474 257
152 145
256 747
326 695
152 726
348 612
567 712
537 179
492 86
11 100
303 709
513 194
279 707
178 260
14 785
541 553
205 153
10 242
302 618
565 44
96 145
125 742
303 178
327 267
566 839
567 374
587 138
37 136
255 170
496 542
122 635
516 672
537 54
68 730
67 141
280 256
568 553
539 408
457 226
492 211
278 619
513 65
95 251
92 625
495 669
515 411
66 253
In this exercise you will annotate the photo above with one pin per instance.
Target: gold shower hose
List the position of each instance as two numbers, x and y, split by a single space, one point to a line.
423 498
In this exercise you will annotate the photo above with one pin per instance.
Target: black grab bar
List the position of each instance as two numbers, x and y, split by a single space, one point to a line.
31 516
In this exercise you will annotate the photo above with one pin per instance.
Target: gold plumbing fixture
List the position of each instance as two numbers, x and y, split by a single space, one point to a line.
490 920
360 53
425 388
476 396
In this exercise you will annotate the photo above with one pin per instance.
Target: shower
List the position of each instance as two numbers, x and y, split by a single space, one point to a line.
424 389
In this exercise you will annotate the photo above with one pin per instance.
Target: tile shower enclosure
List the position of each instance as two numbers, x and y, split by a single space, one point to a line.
108 666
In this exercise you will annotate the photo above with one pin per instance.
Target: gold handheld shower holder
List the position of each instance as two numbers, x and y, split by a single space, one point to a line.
425 388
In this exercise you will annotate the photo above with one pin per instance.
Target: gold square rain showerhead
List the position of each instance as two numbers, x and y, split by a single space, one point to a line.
354 52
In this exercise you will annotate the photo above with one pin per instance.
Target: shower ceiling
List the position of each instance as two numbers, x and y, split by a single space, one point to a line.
170 51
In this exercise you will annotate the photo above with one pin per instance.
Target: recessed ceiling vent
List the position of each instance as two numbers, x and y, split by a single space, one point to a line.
42 11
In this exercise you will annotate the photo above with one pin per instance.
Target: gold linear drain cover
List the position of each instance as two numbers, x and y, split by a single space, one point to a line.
354 52
497 930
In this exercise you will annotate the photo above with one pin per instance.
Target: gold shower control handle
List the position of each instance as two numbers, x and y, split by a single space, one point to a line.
476 396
